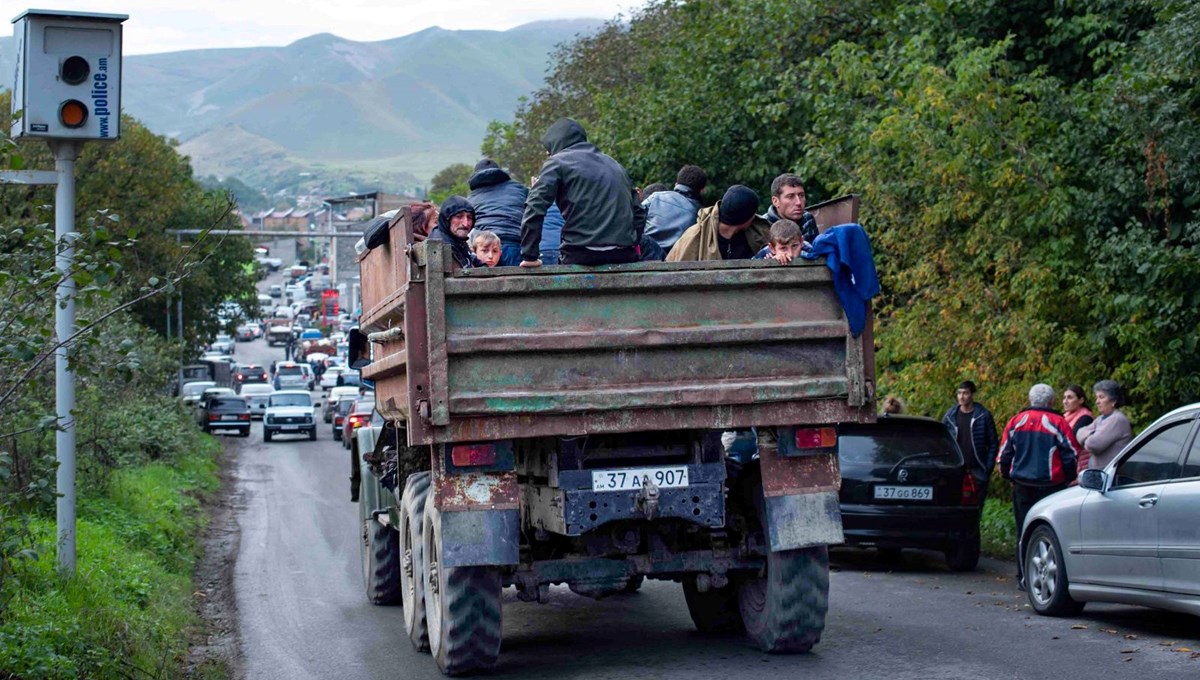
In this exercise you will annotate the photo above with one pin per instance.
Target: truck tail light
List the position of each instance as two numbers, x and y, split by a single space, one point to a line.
816 437
970 490
468 455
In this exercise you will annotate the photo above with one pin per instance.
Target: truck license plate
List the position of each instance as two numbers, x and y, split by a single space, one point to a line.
904 493
634 479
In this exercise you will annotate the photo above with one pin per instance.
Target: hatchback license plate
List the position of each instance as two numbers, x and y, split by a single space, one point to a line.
290 427
904 493
635 478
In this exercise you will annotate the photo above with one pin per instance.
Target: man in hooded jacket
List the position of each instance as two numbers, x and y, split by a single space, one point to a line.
604 218
499 202
455 221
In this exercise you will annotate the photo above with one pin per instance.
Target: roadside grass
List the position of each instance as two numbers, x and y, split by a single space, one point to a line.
128 612
996 528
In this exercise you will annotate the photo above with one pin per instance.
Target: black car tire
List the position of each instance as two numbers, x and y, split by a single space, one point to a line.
245 432
715 610
890 555
964 556
266 435
412 572
312 434
380 561
462 607
1046 575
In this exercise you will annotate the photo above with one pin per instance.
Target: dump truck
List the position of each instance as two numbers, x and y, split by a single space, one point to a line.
563 426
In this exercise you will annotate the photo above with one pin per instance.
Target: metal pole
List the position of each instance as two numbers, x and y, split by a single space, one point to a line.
179 325
65 154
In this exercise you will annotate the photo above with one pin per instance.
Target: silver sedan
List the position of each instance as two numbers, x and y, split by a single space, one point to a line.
1128 533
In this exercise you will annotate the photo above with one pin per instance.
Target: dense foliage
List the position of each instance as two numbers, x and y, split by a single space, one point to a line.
127 271
1028 169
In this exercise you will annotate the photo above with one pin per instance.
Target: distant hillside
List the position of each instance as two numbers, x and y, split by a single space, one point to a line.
399 109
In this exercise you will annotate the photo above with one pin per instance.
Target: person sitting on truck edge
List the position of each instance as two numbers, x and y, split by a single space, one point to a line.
787 200
728 230
499 202
487 247
669 213
784 244
455 220
604 219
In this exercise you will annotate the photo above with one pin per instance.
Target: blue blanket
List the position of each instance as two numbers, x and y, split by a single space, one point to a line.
847 252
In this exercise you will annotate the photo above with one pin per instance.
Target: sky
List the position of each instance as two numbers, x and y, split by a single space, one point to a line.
173 25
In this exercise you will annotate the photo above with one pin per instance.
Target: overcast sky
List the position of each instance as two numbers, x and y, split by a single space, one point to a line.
172 25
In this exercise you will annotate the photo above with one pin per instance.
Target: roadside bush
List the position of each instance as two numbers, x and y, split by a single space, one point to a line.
128 611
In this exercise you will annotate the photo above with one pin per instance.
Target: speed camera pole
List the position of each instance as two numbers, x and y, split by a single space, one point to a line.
65 153
67 91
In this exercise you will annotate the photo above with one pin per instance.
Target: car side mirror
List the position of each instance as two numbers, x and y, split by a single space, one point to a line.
360 349
1093 479
317 404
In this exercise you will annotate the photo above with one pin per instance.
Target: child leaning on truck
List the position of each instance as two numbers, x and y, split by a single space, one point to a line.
784 244
486 246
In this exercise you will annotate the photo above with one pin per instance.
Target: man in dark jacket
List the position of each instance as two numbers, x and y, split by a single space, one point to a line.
787 201
499 202
604 219
455 221
973 427
1038 453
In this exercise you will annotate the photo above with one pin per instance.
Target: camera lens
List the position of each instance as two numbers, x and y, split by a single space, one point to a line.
75 70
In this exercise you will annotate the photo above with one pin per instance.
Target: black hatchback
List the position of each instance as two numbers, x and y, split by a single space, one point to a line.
225 413
905 485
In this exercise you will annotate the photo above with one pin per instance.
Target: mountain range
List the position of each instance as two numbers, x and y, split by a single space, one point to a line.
333 112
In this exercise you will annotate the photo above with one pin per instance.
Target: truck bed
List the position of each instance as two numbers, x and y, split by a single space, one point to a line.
488 354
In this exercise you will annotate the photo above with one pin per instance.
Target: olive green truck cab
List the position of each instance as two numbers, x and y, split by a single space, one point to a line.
563 426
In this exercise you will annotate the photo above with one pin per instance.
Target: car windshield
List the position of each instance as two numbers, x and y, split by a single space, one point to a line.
290 370
349 378
364 407
291 400
228 404
250 368
345 406
888 445
192 389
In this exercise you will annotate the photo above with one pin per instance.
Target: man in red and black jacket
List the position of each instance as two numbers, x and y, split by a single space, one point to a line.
1037 454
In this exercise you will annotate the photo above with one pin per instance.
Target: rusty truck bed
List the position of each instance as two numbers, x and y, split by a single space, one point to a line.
487 354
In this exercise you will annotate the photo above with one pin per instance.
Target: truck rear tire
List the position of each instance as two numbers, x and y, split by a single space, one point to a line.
784 609
380 548
462 607
412 566
715 610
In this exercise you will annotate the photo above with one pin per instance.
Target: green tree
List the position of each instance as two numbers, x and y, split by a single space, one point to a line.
450 181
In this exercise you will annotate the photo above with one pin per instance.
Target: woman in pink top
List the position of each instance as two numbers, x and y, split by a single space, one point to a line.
1077 413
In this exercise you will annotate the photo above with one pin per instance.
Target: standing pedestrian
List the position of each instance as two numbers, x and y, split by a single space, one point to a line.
972 426
1110 431
1078 416
1037 454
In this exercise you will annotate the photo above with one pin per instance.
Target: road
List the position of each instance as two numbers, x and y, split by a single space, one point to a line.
302 612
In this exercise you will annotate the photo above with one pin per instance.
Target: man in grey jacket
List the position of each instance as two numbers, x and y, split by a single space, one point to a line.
499 202
604 219
669 213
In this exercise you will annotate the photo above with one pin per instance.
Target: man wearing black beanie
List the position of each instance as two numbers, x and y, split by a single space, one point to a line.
729 230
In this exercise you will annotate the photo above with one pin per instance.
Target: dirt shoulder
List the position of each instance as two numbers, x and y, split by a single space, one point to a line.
215 651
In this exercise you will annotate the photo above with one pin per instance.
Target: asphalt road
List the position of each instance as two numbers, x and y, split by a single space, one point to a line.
302 612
